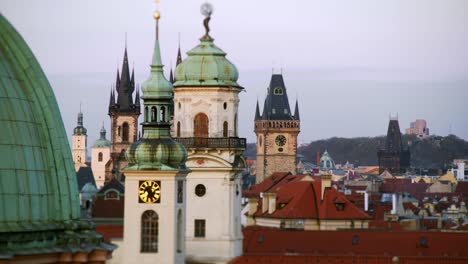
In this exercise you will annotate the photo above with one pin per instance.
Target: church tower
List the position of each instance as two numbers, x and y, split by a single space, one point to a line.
394 157
100 157
124 113
155 197
206 103
276 129
79 143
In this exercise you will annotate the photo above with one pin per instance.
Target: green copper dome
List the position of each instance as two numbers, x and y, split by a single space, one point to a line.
326 162
39 202
102 142
206 65
156 150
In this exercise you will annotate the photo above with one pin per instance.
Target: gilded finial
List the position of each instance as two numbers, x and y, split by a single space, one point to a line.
156 14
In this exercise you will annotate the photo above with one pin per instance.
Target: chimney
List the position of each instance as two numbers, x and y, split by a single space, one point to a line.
265 201
461 171
317 161
253 206
271 203
326 183
366 201
394 203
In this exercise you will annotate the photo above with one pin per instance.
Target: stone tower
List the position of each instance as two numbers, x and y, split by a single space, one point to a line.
155 196
100 157
79 143
276 129
206 102
124 113
394 157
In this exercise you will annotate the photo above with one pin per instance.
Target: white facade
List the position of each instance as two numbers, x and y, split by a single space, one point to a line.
99 159
79 144
216 168
171 218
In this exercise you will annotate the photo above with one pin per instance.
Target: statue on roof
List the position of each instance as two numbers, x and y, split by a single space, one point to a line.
206 9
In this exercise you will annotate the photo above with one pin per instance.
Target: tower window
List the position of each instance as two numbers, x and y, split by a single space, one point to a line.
153 114
100 156
163 114
200 124
224 105
149 231
179 105
179 232
225 129
125 131
273 111
147 114
200 190
278 91
178 129
180 191
199 227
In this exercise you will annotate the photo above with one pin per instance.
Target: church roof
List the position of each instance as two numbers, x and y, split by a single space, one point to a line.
84 175
206 65
276 106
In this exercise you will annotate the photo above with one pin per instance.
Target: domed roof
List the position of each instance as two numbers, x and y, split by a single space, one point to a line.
102 142
38 187
88 191
206 65
326 161
156 154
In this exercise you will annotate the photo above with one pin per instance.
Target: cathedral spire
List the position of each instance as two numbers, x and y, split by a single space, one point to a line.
257 112
296 111
179 55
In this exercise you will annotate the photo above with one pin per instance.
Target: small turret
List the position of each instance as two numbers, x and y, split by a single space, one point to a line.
296 112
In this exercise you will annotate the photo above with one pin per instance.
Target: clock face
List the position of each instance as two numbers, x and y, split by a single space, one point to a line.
149 192
280 140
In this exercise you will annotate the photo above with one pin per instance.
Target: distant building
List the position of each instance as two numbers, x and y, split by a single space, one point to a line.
418 128
79 143
393 157
326 162
276 129
100 158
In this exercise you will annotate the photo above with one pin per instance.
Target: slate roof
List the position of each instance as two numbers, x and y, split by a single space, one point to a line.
83 176
276 106
112 184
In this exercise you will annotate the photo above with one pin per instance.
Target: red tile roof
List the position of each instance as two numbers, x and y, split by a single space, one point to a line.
462 188
110 231
270 242
302 200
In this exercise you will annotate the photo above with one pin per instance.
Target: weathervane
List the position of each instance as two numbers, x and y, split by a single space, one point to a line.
206 9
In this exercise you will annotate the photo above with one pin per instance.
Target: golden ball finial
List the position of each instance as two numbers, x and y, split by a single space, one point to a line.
157 15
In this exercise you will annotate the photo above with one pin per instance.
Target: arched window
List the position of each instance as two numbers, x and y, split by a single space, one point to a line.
147 114
178 129
200 125
162 118
179 232
100 156
235 125
153 114
225 129
125 131
278 91
149 231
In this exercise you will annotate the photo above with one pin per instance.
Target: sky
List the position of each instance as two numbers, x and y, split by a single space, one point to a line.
350 64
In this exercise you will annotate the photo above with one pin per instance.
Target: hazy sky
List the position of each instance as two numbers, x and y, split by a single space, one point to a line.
349 63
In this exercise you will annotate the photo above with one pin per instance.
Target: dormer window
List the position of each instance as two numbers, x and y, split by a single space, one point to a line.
278 91
339 206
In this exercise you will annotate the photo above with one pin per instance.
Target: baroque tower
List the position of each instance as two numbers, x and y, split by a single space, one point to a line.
394 157
79 143
276 129
154 217
124 113
206 102
100 157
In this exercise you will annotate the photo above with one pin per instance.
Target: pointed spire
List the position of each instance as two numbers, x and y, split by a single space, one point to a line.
171 76
296 111
137 98
179 56
257 112
111 98
117 80
103 132
132 79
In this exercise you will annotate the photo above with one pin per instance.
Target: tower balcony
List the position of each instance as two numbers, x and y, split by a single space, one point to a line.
201 142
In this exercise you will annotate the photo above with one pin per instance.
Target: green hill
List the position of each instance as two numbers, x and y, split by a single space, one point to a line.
435 152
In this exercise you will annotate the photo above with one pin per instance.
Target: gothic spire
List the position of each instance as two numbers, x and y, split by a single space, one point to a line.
276 105
257 112
296 111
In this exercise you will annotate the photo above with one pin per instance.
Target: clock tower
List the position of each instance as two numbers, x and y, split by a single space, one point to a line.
155 199
276 129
